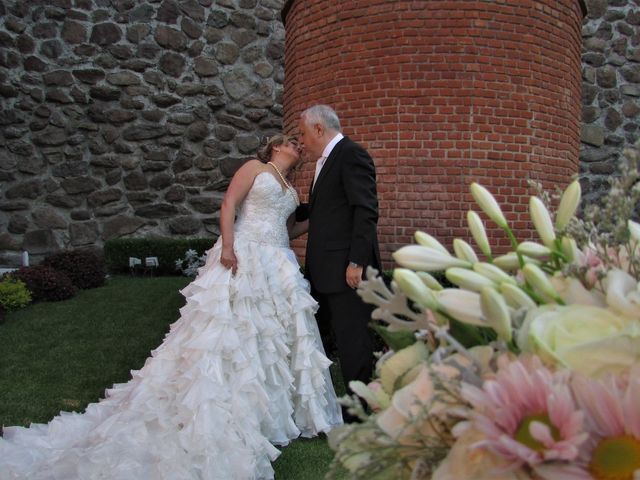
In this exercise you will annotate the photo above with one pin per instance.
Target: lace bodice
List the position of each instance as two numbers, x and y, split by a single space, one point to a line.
264 212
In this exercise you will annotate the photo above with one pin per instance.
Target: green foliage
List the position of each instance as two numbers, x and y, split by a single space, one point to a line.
14 294
46 283
305 459
395 340
84 268
168 250
62 357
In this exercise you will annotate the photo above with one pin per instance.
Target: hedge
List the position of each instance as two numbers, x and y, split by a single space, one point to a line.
168 250
86 269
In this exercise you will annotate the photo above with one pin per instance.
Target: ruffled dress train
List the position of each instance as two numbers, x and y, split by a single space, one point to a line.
242 370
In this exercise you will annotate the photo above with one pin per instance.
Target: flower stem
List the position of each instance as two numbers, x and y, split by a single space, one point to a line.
514 244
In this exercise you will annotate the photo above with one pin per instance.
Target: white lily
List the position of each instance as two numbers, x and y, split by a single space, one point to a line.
463 305
493 273
508 261
395 367
468 279
488 204
464 251
411 284
539 280
534 249
496 312
476 227
515 296
634 230
429 281
542 221
426 240
417 257
568 204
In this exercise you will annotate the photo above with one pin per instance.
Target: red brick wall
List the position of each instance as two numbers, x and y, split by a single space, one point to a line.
443 93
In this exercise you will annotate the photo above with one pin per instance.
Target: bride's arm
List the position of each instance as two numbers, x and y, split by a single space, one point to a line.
235 194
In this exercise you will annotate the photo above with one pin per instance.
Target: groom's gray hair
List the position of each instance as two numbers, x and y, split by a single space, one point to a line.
322 114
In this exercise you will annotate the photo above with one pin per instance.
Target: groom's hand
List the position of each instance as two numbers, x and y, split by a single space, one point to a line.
354 275
302 212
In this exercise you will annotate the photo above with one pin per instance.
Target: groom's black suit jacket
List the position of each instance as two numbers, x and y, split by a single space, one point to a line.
343 214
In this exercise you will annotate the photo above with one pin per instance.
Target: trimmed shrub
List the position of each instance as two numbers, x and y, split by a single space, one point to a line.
14 294
46 283
168 251
85 269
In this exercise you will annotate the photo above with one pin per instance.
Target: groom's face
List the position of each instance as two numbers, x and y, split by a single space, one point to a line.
310 139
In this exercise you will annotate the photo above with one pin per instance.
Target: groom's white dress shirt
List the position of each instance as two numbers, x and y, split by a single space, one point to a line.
325 154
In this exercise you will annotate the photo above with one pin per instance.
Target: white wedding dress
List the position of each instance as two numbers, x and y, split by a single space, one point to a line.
242 369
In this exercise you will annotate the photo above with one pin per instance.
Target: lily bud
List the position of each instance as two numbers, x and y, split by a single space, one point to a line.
539 280
569 248
488 204
542 221
568 204
515 296
496 312
493 273
429 281
468 279
426 240
463 305
417 257
464 251
476 227
414 288
533 249
634 230
508 261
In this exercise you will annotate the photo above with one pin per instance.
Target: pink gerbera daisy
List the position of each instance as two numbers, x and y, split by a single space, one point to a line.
527 414
612 418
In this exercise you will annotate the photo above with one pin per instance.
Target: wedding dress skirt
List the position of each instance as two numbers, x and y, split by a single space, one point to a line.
242 369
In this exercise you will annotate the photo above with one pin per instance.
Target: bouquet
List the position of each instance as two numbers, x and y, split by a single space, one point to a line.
526 366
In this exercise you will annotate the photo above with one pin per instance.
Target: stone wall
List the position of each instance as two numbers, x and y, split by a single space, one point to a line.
610 89
121 117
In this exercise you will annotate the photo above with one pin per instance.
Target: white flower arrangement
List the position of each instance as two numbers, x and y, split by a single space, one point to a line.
528 369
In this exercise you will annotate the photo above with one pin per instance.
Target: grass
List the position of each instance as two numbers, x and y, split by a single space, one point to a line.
62 355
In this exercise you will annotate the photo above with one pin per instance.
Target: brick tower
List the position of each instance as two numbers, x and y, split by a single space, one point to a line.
443 93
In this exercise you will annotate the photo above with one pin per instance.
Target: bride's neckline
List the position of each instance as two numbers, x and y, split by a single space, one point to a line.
288 189
282 177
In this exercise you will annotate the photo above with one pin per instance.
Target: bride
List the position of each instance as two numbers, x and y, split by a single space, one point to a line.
243 368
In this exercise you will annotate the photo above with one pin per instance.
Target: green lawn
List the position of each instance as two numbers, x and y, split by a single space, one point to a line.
62 356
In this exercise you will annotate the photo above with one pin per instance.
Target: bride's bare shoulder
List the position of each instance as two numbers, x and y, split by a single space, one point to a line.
252 166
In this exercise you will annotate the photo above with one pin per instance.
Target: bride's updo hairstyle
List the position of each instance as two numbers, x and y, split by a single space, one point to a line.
264 153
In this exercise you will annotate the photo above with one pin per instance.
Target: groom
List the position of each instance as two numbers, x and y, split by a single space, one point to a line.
342 241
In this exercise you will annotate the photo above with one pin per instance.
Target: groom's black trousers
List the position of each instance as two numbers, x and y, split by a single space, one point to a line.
347 316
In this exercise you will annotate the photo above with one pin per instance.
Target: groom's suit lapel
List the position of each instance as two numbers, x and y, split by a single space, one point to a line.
328 164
